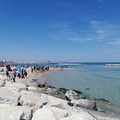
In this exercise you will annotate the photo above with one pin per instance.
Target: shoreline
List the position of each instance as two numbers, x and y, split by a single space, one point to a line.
32 80
33 77
36 75
59 103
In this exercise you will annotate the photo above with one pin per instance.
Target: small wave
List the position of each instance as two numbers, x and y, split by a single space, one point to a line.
107 77
113 65
69 64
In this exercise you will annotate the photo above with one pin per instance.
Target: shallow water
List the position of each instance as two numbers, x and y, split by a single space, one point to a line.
96 81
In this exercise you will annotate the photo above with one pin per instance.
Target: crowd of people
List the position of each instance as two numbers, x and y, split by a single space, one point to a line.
21 71
42 69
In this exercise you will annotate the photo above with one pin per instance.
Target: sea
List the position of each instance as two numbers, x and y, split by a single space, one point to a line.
95 80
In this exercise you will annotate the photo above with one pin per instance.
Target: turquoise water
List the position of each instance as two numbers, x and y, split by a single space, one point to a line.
96 81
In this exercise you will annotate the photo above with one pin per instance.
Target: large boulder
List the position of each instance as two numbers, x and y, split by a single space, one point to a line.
10 113
104 116
2 83
16 86
88 104
57 102
59 113
9 96
43 114
71 95
55 92
32 99
106 107
27 112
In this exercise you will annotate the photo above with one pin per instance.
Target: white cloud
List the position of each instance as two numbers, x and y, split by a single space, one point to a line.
117 42
105 31
98 31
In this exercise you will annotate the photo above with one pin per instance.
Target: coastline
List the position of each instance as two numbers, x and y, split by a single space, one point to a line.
31 80
67 104
32 77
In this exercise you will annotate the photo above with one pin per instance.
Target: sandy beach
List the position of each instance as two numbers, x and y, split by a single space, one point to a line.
32 76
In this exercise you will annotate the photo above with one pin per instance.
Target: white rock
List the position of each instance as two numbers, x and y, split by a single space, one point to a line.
104 116
2 83
10 113
53 101
33 99
88 104
71 95
27 112
80 116
8 96
1 76
4 78
59 113
17 86
33 89
43 114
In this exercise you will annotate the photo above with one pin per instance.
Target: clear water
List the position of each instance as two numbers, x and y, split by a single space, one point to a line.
96 81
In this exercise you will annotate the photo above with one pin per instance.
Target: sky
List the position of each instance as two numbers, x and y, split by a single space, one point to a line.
60 30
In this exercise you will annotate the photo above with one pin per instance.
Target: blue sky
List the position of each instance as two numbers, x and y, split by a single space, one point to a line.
60 30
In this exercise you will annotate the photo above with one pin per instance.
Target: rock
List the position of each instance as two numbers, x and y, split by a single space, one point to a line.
32 99
59 113
71 104
88 104
19 102
63 90
57 102
55 92
16 86
103 100
80 116
107 107
2 80
26 111
43 114
1 76
42 85
104 116
51 91
33 89
2 83
71 95
9 96
10 113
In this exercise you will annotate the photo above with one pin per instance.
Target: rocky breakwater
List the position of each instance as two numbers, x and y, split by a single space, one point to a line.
28 102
